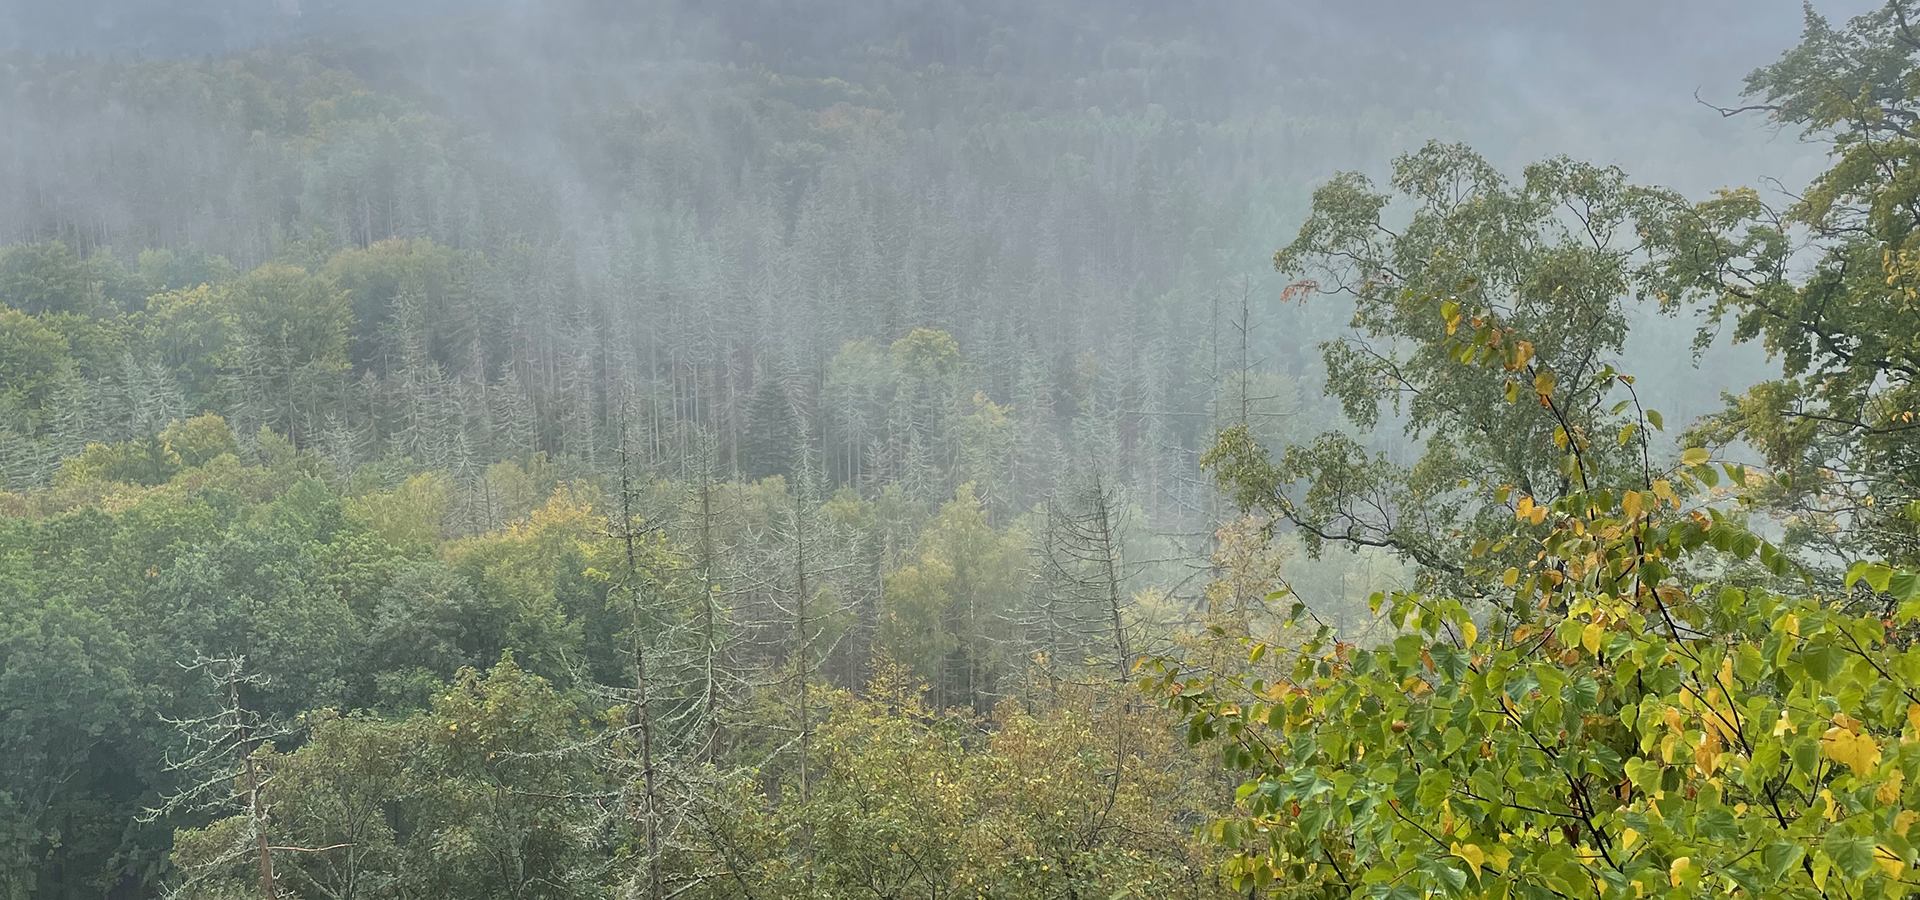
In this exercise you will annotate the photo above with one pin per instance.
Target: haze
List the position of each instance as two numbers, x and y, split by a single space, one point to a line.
460 449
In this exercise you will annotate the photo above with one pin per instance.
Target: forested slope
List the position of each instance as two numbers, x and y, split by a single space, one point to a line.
579 451
329 387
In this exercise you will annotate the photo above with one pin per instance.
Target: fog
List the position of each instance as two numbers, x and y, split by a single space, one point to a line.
585 448
670 207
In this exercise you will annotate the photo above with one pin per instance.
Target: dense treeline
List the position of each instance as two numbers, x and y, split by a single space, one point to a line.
735 279
765 467
767 498
183 609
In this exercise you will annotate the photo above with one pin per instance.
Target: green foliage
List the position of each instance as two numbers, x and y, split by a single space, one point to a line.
68 676
1489 292
145 461
1074 801
1612 687
1634 735
293 319
191 332
33 360
1594 718
926 354
769 446
47 277
1839 423
472 798
407 302
407 517
943 610
200 439
160 270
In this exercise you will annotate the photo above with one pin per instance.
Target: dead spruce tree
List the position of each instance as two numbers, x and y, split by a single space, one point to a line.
1080 615
219 764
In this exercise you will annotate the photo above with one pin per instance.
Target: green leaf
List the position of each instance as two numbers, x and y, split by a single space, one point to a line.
1717 824
1781 856
1313 818
1586 692
1877 575
1644 773
1454 879
1904 585
1855 572
1852 853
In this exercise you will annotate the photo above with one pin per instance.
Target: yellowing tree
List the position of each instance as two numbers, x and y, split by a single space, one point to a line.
944 607
1616 691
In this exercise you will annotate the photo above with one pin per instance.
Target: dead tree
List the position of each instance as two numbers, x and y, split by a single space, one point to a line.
1083 600
221 764
640 714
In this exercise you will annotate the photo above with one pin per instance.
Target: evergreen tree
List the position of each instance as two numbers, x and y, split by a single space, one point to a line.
772 432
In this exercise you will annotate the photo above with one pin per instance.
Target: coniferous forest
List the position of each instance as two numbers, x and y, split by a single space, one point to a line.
977 450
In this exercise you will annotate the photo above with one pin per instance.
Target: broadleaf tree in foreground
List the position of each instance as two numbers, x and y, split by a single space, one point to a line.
1610 681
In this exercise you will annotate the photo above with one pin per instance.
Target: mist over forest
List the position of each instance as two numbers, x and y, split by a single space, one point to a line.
996 448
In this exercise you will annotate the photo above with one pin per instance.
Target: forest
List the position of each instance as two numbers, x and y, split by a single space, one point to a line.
1007 450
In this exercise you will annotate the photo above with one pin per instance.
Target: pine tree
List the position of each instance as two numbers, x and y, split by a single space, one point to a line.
773 430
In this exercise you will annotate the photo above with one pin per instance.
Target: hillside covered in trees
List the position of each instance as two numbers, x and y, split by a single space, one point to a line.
765 451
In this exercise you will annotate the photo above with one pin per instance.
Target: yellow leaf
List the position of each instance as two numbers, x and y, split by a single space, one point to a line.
1468 633
1904 820
1784 725
1522 352
1858 751
1890 862
1663 489
1889 793
1472 854
1630 504
1706 757
1543 384
1590 637
1501 856
1678 870
1510 577
1628 838
1539 514
1913 716
1694 456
